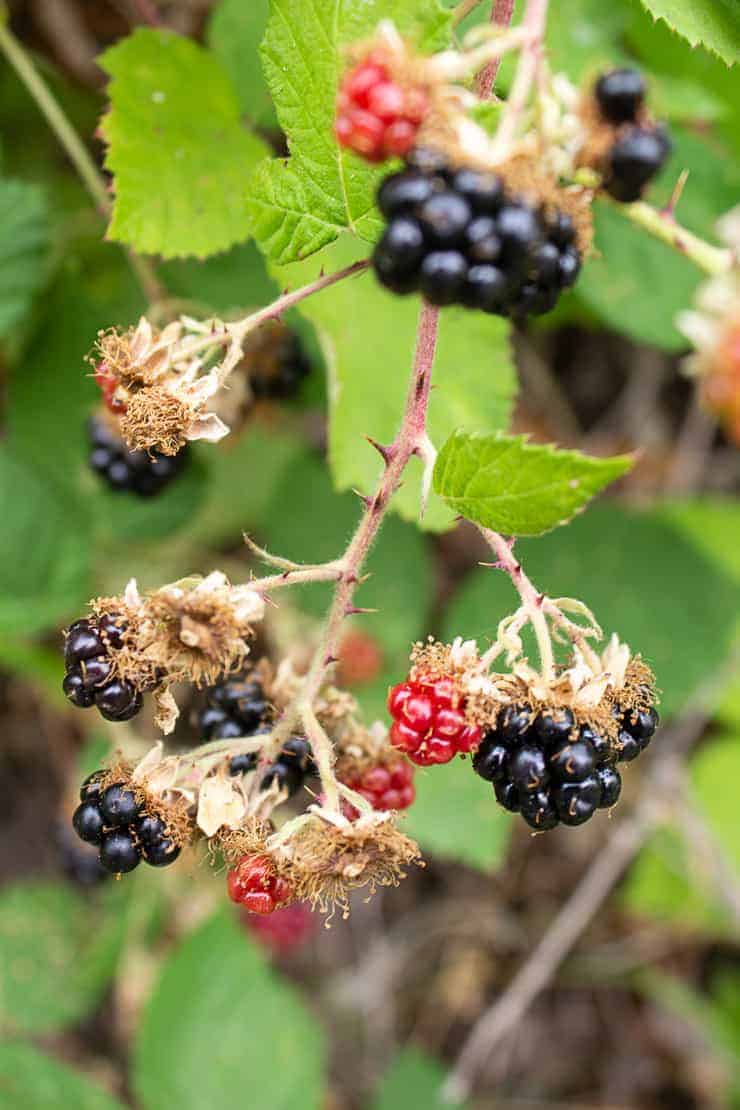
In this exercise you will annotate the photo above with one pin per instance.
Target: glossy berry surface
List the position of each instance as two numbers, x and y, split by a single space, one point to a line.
552 769
119 852
255 884
634 160
160 853
429 722
620 94
118 805
387 786
377 118
87 655
235 707
88 822
455 236
137 472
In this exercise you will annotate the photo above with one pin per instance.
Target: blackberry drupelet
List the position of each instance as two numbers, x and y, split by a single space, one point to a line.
292 767
87 682
126 471
457 237
553 770
620 95
235 707
634 160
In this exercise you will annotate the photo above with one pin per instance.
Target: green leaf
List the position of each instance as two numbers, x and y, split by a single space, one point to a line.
639 575
180 157
302 203
455 816
55 967
234 33
44 551
368 336
413 1079
217 996
23 241
637 284
713 24
31 1080
515 487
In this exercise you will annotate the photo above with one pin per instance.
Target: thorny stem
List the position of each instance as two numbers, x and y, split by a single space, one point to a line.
713 260
69 139
409 440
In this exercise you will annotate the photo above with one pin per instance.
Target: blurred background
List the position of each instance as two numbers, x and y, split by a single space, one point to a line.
150 992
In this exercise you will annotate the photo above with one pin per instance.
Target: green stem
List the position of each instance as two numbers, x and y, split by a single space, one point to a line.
70 141
713 260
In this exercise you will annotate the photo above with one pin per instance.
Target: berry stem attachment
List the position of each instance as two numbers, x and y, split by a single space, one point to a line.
72 145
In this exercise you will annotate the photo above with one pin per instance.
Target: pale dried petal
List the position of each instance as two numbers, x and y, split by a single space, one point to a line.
220 803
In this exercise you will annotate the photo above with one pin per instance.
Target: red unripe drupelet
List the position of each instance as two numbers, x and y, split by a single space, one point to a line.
254 884
429 721
376 117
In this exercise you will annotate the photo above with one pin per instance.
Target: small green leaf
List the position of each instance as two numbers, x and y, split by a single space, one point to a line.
179 154
713 24
44 551
221 1024
54 968
31 1080
455 816
515 487
368 336
302 203
413 1080
234 33
23 240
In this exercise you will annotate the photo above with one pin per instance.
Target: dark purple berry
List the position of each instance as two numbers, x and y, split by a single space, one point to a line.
75 689
553 726
150 829
296 752
95 672
602 748
90 788
620 94
119 852
534 300
83 643
528 769
119 805
444 218
628 748
519 231
561 230
642 723
112 629
442 276
397 256
402 192
514 723
287 776
507 796
634 160
242 764
209 719
483 191
482 244
611 786
576 801
160 853
491 759
118 701
538 811
545 264
485 288
88 822
573 761
568 268
428 161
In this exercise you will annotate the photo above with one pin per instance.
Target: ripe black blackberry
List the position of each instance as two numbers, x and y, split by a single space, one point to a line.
640 148
554 771
292 767
126 471
88 680
278 368
620 95
235 707
115 821
457 237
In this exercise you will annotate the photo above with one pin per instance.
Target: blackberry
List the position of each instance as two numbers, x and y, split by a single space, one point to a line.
118 805
160 853
136 472
87 656
553 770
236 707
620 95
458 238
88 822
150 829
634 160
280 369
119 852
292 766
243 764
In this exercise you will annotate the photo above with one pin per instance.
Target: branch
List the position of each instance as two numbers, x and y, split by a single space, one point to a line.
73 146
662 224
582 906
533 22
501 13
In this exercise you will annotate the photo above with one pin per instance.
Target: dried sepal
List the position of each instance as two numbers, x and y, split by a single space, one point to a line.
221 803
326 856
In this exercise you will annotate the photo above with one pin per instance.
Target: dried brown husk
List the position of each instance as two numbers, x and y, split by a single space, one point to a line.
156 419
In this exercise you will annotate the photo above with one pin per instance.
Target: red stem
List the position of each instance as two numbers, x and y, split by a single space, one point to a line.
501 14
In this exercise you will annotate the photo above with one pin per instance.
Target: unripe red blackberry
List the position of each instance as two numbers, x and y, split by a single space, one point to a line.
376 117
255 884
429 721
386 786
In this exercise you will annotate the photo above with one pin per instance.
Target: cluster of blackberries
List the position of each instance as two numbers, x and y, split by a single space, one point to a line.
277 374
125 833
551 770
126 471
238 707
88 666
458 238
639 150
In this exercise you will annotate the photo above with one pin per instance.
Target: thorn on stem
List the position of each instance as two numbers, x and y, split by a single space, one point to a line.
386 453
329 659
356 610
